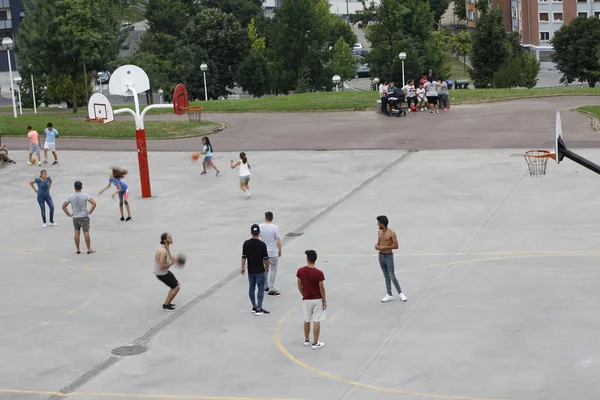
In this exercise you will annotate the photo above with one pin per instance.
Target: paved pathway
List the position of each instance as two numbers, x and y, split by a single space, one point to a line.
519 124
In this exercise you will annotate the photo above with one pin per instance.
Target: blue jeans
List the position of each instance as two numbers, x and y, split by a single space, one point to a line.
42 200
255 280
386 262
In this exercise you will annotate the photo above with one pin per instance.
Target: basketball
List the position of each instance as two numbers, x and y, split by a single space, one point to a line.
33 160
413 108
181 259
195 156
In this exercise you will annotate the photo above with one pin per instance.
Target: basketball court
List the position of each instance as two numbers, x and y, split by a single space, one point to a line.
500 270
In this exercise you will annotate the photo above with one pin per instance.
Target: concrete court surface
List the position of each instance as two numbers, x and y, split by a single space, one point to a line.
500 271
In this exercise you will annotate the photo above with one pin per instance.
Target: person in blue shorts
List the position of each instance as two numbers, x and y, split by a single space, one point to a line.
50 143
115 178
207 150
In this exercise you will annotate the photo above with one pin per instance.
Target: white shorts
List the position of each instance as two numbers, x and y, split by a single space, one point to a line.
313 310
50 146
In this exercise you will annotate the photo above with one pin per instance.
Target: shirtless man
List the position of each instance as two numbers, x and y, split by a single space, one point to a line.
162 262
386 242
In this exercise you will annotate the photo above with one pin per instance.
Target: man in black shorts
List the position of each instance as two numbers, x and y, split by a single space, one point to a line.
255 252
162 262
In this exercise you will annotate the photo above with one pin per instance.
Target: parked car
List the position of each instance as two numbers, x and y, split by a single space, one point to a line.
357 46
363 71
103 78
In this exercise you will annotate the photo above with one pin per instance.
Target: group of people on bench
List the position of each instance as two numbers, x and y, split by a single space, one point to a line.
429 95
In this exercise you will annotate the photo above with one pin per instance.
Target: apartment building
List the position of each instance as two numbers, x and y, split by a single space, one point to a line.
537 20
338 7
11 14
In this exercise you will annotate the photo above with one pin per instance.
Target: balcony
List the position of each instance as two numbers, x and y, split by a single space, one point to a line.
5 24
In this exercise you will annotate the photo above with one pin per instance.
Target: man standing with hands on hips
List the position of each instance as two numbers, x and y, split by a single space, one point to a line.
255 252
80 215
386 242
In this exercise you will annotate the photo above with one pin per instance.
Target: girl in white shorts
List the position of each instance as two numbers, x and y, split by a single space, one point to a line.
244 173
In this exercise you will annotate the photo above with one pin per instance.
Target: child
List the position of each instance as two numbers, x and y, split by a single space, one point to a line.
34 145
207 151
409 89
244 173
421 98
50 143
114 178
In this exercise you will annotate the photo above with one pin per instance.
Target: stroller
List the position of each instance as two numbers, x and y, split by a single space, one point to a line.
397 100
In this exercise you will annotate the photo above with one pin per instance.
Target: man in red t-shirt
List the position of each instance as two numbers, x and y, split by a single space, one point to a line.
314 301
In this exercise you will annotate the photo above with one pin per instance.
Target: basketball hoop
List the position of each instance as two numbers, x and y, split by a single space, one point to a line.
194 113
537 161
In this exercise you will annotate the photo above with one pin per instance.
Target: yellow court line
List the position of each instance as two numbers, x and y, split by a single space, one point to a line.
282 349
138 395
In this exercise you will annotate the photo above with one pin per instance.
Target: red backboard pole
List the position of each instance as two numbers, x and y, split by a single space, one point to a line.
140 138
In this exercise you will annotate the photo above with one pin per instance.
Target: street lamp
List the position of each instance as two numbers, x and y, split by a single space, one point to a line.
375 82
33 90
204 67
160 95
18 81
7 43
402 57
336 80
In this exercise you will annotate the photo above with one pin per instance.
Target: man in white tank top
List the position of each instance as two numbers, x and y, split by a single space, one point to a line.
162 262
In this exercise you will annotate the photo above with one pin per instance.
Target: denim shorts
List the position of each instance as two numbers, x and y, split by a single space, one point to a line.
207 159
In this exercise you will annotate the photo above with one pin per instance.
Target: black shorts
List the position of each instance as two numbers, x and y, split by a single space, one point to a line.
432 100
168 279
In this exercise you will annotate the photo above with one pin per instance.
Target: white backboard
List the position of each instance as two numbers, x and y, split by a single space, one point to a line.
128 75
99 107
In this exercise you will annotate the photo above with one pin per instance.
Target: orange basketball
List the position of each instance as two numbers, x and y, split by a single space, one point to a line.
195 156
33 160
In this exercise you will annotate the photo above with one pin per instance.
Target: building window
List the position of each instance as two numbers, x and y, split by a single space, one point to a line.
514 13
544 35
542 1
544 17
557 1
582 14
597 14
557 17
3 15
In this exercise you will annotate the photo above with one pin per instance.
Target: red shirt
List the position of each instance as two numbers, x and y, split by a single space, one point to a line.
310 278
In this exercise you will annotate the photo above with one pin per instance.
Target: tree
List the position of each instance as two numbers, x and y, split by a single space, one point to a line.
243 10
169 16
460 9
461 44
575 47
439 8
219 40
254 73
57 37
531 70
489 50
342 62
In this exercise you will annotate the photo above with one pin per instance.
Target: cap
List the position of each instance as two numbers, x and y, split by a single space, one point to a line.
255 229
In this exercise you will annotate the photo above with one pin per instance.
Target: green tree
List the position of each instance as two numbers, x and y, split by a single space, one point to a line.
169 16
490 50
460 10
462 45
58 37
439 8
342 62
575 47
254 73
219 40
243 10
531 70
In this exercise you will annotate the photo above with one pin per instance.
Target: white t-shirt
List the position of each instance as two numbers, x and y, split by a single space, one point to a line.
269 233
410 90
421 93
383 90
244 170
430 89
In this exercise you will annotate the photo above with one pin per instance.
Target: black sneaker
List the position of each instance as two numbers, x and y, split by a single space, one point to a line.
128 219
274 293
168 307
262 311
122 218
253 310
266 289
55 162
12 162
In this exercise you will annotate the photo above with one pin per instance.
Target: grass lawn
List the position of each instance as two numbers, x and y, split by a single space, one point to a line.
318 101
592 110
133 14
68 125
457 69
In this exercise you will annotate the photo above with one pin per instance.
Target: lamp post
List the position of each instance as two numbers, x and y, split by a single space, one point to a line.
7 43
402 57
160 95
204 67
336 81
33 90
376 82
18 81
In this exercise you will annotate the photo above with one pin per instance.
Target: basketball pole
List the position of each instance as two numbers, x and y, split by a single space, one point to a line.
563 151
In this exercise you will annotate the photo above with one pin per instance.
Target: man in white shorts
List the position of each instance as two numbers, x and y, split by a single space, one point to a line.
314 302
269 233
50 143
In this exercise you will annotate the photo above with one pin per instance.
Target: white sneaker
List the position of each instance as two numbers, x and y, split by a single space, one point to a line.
43 225
402 296
318 345
306 342
387 298
248 195
29 163
40 164
54 223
